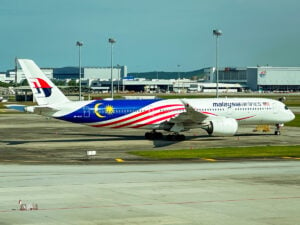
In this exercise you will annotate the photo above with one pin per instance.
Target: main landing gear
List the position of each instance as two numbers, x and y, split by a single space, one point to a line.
175 137
153 135
277 129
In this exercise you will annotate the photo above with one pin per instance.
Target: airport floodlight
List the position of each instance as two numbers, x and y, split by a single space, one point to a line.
217 33
79 44
112 42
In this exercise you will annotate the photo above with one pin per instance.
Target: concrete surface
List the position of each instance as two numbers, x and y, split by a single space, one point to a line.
254 193
29 138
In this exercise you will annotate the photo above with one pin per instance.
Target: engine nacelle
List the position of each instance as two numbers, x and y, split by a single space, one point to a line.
222 127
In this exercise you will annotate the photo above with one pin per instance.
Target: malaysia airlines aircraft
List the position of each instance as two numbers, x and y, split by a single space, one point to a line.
218 116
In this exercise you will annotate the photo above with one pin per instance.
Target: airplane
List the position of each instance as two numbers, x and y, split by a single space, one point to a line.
217 116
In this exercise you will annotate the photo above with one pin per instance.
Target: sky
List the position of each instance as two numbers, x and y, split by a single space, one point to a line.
156 35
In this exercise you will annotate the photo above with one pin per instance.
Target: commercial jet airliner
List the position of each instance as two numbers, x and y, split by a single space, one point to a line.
218 116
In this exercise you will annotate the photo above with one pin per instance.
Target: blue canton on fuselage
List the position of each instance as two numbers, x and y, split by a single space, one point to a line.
103 110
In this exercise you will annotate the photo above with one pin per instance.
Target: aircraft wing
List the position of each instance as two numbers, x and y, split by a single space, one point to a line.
189 118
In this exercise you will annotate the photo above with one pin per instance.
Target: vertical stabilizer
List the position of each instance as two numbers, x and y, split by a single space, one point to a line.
44 91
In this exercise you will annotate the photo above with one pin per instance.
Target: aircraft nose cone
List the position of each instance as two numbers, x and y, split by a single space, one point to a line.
292 116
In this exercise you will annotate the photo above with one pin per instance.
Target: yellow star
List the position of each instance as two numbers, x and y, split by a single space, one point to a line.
109 109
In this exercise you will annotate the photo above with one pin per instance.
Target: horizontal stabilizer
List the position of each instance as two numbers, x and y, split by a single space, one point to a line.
20 108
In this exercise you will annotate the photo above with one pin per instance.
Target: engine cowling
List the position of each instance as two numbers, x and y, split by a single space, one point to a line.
222 127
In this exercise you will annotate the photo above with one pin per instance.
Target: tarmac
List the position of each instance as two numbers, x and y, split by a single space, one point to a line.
248 193
44 170
29 138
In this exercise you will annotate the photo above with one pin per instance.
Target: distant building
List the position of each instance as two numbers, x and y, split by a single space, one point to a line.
260 78
274 78
102 73
211 87
10 75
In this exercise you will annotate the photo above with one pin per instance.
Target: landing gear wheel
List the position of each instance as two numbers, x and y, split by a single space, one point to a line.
175 137
149 135
179 137
277 132
277 129
158 135
170 137
153 135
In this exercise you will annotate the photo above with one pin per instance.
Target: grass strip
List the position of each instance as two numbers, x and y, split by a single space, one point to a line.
223 153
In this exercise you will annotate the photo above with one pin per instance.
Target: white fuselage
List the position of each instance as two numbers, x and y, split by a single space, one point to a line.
244 110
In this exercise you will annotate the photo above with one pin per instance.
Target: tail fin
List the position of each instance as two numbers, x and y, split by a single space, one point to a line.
44 91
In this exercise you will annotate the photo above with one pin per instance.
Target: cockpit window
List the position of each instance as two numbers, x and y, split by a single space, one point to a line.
286 108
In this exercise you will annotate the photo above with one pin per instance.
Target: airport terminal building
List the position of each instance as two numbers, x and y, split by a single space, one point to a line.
231 79
260 78
103 73
274 78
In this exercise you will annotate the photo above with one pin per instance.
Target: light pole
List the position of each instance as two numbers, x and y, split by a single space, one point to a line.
119 69
217 33
16 71
178 74
79 44
111 41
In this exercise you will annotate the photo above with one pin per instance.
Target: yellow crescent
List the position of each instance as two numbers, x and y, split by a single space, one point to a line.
96 110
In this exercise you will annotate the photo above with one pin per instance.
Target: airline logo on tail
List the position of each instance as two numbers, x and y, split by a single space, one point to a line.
42 86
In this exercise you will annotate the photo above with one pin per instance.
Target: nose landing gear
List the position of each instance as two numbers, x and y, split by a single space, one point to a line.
277 129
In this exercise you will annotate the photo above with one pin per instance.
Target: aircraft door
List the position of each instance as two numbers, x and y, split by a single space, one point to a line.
229 111
275 108
86 112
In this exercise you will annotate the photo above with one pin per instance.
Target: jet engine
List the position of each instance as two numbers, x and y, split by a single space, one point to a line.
222 127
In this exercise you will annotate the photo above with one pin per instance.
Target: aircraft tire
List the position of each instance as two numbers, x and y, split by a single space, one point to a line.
158 135
277 132
153 135
175 137
170 137
149 135
179 137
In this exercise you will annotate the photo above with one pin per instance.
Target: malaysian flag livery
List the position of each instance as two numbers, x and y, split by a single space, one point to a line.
125 113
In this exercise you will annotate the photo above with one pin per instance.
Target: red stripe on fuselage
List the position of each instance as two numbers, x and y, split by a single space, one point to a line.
244 118
155 121
147 117
209 113
136 115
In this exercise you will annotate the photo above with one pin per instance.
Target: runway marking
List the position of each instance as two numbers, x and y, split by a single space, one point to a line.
153 204
210 160
119 160
287 157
